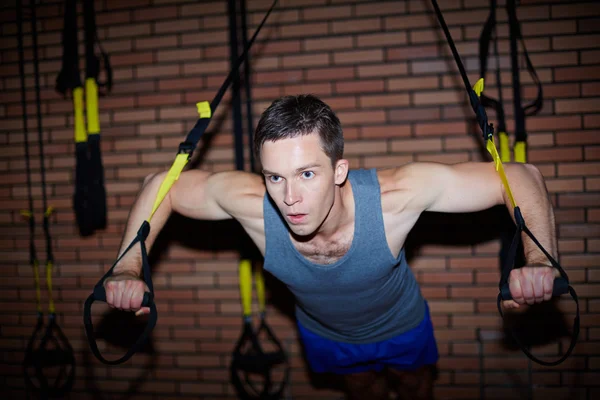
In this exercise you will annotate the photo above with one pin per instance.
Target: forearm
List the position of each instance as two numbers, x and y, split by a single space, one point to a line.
531 196
140 212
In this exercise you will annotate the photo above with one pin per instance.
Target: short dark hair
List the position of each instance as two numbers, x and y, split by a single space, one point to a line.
290 116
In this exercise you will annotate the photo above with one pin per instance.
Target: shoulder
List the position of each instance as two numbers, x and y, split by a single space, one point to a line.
239 193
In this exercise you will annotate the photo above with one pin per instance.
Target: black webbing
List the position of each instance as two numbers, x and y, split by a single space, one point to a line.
187 147
561 284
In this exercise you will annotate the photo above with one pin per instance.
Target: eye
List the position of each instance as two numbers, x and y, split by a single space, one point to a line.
274 178
308 174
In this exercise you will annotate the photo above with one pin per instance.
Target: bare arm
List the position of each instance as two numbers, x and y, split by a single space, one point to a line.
196 194
475 186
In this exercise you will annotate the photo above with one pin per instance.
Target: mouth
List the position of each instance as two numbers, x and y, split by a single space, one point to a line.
296 218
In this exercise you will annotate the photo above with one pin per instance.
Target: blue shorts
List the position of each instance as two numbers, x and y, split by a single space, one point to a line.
407 351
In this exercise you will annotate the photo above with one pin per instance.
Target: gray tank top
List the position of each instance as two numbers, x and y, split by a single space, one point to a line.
368 295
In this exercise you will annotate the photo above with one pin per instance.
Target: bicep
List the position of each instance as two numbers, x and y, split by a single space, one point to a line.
456 188
216 196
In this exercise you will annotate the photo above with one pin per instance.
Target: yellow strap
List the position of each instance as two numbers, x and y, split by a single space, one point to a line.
36 279
80 134
49 266
204 110
260 289
504 147
173 174
26 213
245 272
91 102
491 148
520 155
180 162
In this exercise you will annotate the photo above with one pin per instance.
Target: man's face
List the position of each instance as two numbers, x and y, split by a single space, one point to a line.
301 180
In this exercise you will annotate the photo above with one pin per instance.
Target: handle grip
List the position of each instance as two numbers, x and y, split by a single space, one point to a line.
100 295
561 286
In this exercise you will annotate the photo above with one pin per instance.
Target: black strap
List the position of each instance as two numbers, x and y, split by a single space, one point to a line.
487 129
186 147
97 195
68 78
42 356
99 294
531 109
92 62
54 351
487 35
254 360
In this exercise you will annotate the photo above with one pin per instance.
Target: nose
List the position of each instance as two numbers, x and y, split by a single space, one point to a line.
291 195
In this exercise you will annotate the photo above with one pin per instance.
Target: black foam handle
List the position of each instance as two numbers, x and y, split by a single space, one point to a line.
99 294
561 286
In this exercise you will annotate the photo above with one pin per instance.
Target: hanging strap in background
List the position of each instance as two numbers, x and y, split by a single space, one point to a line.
248 357
54 349
67 80
561 284
97 194
184 153
488 34
535 106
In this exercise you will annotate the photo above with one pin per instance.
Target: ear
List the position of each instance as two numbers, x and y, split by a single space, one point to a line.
341 171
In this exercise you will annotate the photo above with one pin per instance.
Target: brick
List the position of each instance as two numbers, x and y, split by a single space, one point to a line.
592 184
579 230
327 74
382 39
129 30
548 28
411 52
326 13
357 25
361 117
590 57
592 153
577 137
437 97
579 169
406 22
381 8
414 114
155 13
365 147
354 57
555 154
338 42
590 89
303 30
441 129
387 100
305 60
566 74
577 105
574 10
375 85
389 69
385 131
137 115
400 84
564 185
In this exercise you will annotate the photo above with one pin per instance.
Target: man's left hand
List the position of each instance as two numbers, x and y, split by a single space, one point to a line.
530 285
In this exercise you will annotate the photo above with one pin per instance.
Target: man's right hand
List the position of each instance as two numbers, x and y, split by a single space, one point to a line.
125 291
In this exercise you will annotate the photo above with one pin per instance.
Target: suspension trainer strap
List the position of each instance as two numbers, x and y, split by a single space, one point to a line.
92 71
536 105
61 355
488 34
69 80
184 153
561 284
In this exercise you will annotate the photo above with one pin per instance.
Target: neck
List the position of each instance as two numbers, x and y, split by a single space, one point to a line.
340 215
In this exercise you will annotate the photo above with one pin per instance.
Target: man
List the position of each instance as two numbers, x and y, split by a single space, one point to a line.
335 237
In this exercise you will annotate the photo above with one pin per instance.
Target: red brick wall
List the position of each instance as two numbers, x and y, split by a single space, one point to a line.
386 69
